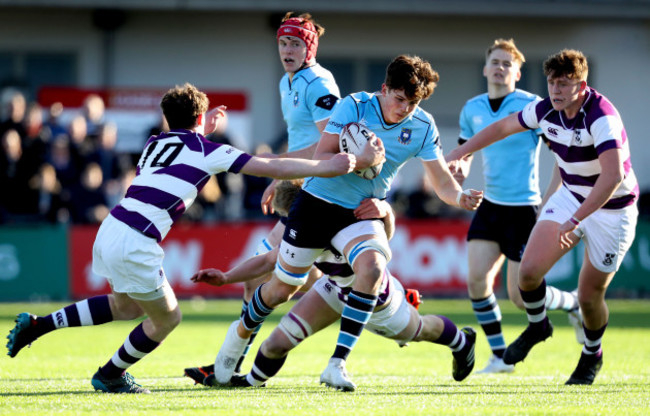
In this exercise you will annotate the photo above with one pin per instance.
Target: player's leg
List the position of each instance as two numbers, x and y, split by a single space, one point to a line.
93 311
400 321
517 224
542 252
267 244
593 284
368 256
485 261
308 316
286 281
608 237
163 315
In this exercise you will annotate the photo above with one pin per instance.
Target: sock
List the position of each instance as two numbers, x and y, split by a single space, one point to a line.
136 346
559 299
92 311
534 304
451 336
593 340
264 368
488 314
248 347
257 311
354 318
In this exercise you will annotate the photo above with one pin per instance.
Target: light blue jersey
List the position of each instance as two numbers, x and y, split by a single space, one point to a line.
309 98
415 136
510 166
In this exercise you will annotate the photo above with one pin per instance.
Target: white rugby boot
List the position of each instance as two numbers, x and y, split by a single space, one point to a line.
336 376
231 350
496 365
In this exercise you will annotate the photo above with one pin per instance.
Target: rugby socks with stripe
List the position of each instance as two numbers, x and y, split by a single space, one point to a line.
488 314
559 299
256 312
264 368
355 316
534 304
593 341
451 336
92 311
136 347
250 340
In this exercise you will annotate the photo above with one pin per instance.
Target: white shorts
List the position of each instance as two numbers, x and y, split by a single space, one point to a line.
130 261
387 322
608 233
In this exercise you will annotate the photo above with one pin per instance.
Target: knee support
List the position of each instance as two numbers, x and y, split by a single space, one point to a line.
295 328
294 279
373 244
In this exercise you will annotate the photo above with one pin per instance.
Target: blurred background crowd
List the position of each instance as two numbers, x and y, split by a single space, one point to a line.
53 171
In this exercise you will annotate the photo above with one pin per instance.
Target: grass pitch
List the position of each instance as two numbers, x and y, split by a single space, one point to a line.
53 376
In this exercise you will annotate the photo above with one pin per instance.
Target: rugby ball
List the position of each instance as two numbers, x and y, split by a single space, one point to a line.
353 139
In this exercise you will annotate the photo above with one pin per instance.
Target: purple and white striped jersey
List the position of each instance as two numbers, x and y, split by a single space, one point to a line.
172 170
578 142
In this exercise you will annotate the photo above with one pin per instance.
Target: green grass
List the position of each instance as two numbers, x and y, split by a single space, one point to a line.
53 376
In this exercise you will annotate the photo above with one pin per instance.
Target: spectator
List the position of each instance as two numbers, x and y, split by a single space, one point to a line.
93 111
88 202
16 107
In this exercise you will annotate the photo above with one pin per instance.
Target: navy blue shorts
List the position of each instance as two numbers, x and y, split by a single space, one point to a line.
509 226
312 222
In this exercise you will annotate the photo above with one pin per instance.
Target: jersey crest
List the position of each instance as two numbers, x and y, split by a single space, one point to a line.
405 136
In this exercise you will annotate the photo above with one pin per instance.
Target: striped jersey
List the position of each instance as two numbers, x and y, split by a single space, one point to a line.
510 166
578 142
307 99
172 170
415 136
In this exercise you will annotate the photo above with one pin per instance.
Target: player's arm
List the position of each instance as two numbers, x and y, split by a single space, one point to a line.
373 152
250 269
496 131
304 153
461 168
611 175
371 208
289 168
448 189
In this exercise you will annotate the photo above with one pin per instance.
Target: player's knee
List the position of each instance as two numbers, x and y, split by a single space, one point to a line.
529 275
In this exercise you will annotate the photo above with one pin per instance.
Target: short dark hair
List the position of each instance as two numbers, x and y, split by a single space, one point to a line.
413 75
183 105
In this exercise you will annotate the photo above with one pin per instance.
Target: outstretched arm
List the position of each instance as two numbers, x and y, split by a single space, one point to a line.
492 133
250 269
448 189
289 168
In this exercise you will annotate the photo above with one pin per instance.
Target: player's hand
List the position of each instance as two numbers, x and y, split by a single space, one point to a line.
212 277
564 234
373 153
213 118
470 199
372 208
267 198
454 155
459 170
339 164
